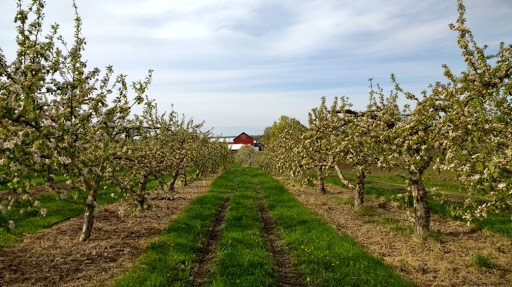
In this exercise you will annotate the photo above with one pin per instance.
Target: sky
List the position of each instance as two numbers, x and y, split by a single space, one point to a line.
240 65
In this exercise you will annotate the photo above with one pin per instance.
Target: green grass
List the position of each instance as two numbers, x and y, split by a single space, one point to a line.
481 261
243 259
376 179
168 260
37 181
325 256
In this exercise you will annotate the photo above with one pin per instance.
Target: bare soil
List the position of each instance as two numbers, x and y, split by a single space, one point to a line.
204 263
55 257
287 274
442 259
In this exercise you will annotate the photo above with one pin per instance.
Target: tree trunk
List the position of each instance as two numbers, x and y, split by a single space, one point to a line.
89 210
185 183
359 190
421 209
50 177
198 174
321 184
141 194
172 183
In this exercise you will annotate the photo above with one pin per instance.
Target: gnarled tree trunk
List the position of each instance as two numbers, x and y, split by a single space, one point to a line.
90 208
185 183
321 184
359 188
172 183
421 209
141 193
50 178
419 193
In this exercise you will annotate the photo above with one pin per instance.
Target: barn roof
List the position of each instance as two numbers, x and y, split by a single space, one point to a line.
244 133
223 139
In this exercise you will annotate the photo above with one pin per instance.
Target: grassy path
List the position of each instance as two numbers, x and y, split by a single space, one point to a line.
325 256
263 221
287 274
243 259
202 266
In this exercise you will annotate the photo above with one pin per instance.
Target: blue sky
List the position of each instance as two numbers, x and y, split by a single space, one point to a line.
239 65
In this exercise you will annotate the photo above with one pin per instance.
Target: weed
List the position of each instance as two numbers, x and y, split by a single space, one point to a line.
481 261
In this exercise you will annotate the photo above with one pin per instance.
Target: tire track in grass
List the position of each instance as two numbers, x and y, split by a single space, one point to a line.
326 257
287 274
243 257
169 260
202 267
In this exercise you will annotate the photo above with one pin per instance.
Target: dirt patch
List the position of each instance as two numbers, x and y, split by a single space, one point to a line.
443 259
288 275
203 265
55 257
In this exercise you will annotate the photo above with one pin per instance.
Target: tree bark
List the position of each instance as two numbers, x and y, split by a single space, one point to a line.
359 188
421 208
141 194
90 208
185 183
50 177
172 183
321 184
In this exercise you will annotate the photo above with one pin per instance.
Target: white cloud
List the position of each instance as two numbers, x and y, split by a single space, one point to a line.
248 62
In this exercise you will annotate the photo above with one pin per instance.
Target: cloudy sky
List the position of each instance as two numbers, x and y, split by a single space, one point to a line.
239 65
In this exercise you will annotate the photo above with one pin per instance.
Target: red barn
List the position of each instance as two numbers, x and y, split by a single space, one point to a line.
244 139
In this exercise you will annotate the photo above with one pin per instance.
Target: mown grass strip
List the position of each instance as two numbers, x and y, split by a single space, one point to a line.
243 258
38 181
168 260
325 256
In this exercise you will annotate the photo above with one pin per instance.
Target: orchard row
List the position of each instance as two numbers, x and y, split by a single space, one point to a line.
462 125
59 117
